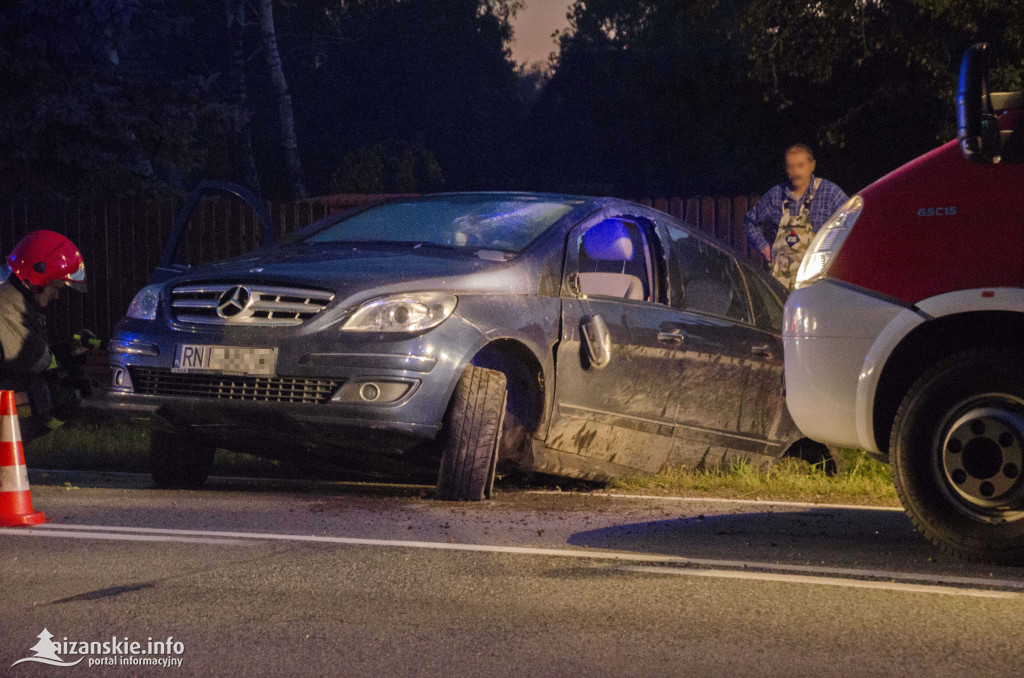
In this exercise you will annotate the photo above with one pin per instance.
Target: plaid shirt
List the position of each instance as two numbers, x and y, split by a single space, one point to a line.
767 213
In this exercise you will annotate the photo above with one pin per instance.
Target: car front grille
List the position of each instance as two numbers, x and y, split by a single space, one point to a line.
263 305
164 382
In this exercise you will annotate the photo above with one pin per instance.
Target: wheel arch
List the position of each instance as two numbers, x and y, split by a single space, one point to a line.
530 393
927 343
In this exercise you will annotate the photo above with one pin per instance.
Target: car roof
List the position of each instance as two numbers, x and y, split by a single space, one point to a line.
591 201
531 195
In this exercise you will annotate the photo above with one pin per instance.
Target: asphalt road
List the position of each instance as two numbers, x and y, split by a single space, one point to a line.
302 578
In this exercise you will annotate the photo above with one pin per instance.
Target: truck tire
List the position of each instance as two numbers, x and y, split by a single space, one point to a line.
957 454
471 436
178 462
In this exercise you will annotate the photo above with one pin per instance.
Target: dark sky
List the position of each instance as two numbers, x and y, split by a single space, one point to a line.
533 28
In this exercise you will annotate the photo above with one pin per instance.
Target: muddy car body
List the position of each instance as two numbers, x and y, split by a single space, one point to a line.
626 342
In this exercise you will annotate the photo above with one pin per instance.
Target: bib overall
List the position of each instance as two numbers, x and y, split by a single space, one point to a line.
793 238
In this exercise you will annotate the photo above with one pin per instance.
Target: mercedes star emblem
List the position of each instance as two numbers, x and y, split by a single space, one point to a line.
233 302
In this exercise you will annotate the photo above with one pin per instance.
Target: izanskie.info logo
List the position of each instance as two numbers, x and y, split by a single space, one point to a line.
113 652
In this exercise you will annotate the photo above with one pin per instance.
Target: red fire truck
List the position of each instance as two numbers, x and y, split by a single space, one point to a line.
905 335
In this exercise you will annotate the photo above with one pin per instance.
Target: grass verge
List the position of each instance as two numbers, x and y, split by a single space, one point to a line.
864 481
125 447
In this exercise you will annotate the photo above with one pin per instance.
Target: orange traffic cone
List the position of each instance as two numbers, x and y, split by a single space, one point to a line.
15 497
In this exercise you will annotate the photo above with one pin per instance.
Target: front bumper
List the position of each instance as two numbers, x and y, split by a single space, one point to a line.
828 332
318 403
266 429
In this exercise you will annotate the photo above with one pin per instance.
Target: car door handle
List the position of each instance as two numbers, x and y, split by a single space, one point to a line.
762 351
672 336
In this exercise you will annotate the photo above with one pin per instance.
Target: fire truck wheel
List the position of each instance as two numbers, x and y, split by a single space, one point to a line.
957 454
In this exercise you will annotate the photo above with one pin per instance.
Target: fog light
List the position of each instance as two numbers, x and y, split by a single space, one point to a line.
120 378
378 392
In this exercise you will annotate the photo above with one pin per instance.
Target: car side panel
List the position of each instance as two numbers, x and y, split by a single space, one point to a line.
615 414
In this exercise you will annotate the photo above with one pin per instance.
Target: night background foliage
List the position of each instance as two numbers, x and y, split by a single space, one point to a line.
105 98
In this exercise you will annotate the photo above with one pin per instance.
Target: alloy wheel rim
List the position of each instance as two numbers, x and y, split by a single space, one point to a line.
980 455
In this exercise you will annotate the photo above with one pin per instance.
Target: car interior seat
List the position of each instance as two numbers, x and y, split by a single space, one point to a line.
608 265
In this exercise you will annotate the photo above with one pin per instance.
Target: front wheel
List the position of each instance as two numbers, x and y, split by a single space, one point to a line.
471 435
957 454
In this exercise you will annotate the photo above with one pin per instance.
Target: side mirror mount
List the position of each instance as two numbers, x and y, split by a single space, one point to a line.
977 125
596 341
575 286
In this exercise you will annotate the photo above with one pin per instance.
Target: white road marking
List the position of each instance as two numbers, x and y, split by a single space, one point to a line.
413 488
720 500
34 532
824 581
829 574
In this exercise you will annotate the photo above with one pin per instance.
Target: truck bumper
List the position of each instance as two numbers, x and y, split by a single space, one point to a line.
829 331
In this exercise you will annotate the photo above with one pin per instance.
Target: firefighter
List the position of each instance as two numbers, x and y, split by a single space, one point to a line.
795 209
42 264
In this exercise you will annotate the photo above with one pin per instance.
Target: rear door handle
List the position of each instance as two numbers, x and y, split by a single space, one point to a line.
762 351
675 336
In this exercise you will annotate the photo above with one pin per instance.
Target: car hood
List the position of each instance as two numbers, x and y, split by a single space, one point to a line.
369 270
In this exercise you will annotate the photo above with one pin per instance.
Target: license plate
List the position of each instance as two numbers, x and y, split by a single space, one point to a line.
241 360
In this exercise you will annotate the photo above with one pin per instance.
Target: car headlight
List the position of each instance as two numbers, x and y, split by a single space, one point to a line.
145 303
827 242
402 313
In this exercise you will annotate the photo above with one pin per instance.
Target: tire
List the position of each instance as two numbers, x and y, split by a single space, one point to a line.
522 411
471 436
935 438
178 462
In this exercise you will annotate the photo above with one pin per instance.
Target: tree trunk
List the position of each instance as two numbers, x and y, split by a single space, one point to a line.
293 163
240 119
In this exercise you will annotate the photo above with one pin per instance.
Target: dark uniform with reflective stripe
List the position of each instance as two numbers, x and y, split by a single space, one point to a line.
27 362
24 348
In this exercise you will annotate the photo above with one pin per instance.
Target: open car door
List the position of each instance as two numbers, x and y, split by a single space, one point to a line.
219 220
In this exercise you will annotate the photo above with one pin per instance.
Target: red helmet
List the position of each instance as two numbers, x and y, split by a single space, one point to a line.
43 257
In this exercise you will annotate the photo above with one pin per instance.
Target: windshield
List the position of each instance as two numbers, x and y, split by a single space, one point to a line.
504 223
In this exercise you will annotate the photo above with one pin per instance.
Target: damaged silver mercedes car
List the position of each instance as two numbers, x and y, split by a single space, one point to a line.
470 333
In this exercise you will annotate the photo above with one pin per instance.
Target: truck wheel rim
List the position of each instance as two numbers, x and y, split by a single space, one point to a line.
982 458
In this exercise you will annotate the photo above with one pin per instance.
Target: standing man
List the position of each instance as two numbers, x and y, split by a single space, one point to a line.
42 264
796 209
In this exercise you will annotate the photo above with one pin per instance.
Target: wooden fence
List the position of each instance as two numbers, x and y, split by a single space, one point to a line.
122 240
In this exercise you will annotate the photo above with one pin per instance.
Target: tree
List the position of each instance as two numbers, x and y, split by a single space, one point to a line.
692 96
389 167
85 108
240 115
873 80
296 175
648 98
436 73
